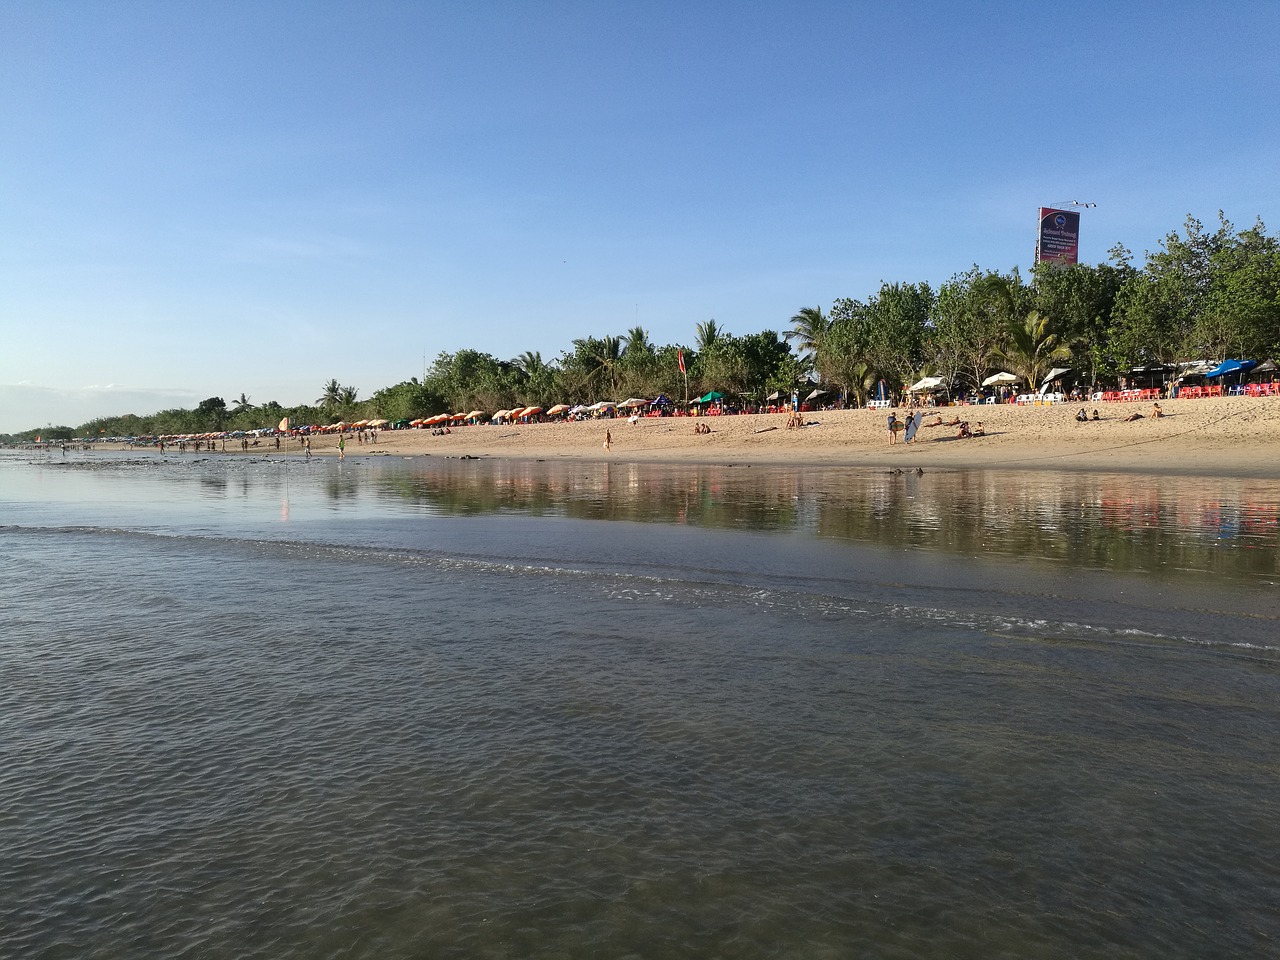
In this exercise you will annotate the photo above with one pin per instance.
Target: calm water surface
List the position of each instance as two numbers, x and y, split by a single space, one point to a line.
427 708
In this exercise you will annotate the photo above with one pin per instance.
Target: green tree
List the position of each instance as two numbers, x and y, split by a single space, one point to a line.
748 365
538 382
331 397
1240 316
1031 348
1081 300
843 356
212 412
635 342
407 400
708 332
809 325
471 380
896 320
594 365
970 314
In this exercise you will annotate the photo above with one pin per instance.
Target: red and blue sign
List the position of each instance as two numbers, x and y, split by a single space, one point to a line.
1059 239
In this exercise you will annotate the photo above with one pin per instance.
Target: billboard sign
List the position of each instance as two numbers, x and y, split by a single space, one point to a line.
1059 239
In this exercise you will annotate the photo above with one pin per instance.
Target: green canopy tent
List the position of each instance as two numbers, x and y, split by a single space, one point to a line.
711 397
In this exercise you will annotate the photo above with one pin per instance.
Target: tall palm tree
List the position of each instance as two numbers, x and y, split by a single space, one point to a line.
1031 348
348 395
808 328
332 395
636 341
530 364
599 357
708 333
242 403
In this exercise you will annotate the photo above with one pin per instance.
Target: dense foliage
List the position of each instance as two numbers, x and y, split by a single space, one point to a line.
1203 295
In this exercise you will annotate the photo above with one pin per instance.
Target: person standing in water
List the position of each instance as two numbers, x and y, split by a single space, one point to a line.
342 446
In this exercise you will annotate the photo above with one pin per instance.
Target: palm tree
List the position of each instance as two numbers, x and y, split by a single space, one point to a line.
332 395
636 341
1031 348
708 333
599 357
347 396
530 364
242 403
808 328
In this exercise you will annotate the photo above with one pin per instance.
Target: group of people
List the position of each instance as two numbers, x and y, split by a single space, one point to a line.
963 429
1156 414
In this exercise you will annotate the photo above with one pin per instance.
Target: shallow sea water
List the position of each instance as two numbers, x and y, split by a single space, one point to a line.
424 708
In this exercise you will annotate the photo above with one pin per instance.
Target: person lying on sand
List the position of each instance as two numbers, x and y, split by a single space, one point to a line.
953 422
1132 417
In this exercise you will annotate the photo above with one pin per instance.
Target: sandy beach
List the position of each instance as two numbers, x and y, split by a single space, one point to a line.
1219 436
1226 436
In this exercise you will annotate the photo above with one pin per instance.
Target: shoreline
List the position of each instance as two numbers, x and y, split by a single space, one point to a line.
1237 436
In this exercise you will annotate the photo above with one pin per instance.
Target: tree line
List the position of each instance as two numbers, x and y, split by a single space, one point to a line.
1202 295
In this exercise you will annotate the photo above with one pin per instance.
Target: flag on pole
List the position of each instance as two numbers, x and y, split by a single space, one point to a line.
680 359
284 425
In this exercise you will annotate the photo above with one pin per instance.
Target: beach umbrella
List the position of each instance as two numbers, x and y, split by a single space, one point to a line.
928 383
530 411
1053 375
1231 366
1000 378
500 414
558 409
816 394
634 402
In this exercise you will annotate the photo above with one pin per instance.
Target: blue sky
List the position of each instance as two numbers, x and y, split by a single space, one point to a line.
207 199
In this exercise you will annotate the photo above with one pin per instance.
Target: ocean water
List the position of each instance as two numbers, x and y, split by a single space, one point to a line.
440 708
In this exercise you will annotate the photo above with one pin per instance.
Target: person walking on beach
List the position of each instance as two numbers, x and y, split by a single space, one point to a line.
608 439
893 428
342 446
306 447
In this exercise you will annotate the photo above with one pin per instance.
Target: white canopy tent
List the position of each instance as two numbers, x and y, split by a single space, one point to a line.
922 386
1001 377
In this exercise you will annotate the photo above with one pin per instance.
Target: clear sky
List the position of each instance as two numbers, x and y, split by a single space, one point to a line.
205 199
